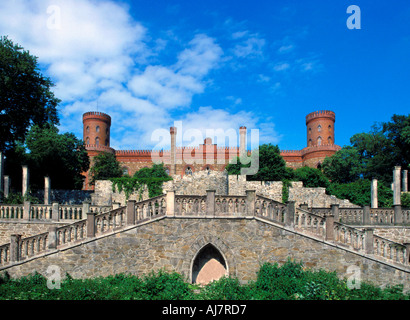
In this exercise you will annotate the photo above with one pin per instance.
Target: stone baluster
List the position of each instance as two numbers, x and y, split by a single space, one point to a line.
27 210
210 202
130 219
250 202
368 241
14 247
330 233
170 203
52 238
290 214
90 224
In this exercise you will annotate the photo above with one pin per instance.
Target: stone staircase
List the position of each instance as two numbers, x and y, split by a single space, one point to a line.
328 225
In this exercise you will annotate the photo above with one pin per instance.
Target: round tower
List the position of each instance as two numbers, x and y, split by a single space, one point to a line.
320 127
96 126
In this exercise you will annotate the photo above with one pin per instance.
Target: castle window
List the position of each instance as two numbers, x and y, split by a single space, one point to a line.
319 141
87 141
87 129
97 128
125 171
319 128
97 141
329 140
188 171
310 142
106 142
329 127
310 130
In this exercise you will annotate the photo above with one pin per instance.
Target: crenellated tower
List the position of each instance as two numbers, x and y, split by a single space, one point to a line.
320 126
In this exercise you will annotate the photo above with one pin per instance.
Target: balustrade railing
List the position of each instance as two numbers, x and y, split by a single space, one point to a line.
270 209
99 222
110 221
390 250
32 246
5 254
150 208
381 216
71 233
230 205
310 223
351 215
349 236
190 205
11 211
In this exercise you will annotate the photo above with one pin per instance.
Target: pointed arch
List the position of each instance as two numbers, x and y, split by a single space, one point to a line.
208 264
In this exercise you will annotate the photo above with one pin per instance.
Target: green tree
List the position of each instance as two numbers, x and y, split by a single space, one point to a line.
344 166
311 177
272 166
105 166
25 95
62 157
358 192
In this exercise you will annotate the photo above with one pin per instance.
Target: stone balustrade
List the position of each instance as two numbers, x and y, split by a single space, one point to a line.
55 211
322 225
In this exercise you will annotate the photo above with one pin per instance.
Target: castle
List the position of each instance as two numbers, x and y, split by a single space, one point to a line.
320 127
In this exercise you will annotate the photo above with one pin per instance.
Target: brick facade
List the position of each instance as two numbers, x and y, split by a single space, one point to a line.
207 156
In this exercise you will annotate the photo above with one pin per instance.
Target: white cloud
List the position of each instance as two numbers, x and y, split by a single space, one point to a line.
281 66
250 47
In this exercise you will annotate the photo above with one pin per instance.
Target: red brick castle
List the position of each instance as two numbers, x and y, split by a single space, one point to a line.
183 160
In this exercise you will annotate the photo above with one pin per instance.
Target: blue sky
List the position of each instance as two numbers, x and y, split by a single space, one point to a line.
218 64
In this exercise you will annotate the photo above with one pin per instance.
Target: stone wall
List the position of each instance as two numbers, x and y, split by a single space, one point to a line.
315 197
271 189
198 182
173 243
393 233
24 228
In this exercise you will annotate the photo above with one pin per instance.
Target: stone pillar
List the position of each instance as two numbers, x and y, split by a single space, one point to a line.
171 203
6 186
374 199
52 238
405 181
290 214
210 202
25 182
250 202
27 210
55 212
1 172
407 253
396 185
368 241
14 247
47 190
90 224
130 213
242 142
173 132
335 212
366 215
398 215
330 232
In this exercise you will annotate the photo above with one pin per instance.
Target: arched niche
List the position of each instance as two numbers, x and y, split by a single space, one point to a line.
208 265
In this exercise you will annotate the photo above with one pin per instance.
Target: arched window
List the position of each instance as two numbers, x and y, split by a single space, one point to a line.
319 128
310 142
87 129
209 265
87 140
329 140
97 128
97 141
319 141
310 131
329 127
125 171
188 170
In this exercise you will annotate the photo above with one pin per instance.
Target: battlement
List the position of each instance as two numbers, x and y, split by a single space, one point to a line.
133 152
97 115
321 114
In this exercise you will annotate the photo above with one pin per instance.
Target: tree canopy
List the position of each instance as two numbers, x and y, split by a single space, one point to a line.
25 95
105 166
